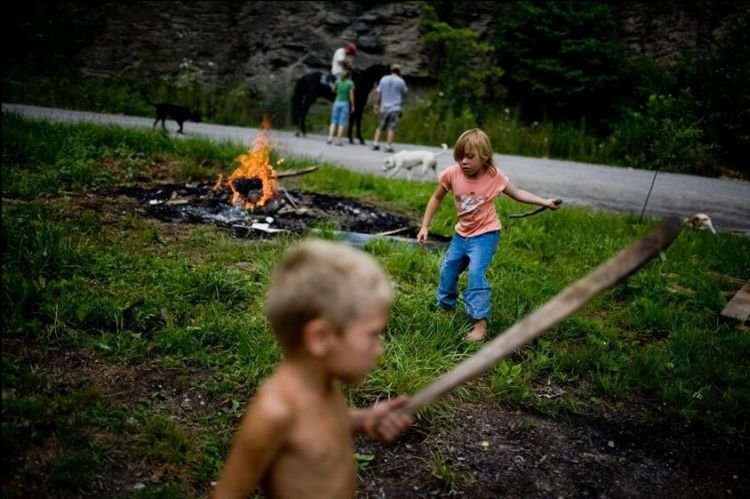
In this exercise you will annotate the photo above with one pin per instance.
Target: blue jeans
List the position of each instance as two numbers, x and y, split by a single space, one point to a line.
474 253
340 113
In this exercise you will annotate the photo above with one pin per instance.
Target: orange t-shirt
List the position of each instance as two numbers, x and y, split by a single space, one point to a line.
474 200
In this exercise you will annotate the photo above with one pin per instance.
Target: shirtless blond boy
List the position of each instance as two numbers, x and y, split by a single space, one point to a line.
327 304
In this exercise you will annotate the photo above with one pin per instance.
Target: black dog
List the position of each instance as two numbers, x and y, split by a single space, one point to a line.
180 114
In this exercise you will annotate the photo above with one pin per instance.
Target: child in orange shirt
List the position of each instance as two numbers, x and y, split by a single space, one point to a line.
475 182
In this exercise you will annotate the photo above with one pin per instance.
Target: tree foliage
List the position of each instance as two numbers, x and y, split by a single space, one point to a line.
46 37
719 86
562 60
463 63
664 135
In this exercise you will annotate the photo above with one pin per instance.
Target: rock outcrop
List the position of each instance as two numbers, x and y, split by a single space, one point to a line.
259 42
269 43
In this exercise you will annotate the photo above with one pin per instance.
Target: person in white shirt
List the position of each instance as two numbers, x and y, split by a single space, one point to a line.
342 58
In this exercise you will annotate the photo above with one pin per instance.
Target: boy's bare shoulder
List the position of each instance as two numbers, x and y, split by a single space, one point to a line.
272 404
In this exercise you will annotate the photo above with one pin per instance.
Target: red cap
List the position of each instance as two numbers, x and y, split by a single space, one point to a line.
351 48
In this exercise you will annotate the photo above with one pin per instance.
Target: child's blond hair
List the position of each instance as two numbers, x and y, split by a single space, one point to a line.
477 142
324 279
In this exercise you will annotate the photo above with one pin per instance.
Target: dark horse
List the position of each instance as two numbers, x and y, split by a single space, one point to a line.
313 86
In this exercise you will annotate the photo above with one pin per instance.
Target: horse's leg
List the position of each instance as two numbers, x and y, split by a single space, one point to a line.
352 119
300 104
306 103
356 120
359 126
298 97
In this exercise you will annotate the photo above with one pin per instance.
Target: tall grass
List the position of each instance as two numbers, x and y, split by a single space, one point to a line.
425 122
74 157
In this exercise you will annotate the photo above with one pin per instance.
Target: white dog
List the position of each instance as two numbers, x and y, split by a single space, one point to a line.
700 221
412 159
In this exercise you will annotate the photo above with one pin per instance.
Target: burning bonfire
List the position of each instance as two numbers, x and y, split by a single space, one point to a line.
254 182
252 200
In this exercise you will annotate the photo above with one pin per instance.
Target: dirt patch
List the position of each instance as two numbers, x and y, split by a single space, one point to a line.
482 450
489 451
173 393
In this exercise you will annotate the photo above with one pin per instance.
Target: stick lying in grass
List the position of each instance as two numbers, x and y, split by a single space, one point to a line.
561 306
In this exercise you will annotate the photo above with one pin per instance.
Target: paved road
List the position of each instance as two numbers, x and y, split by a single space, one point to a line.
601 187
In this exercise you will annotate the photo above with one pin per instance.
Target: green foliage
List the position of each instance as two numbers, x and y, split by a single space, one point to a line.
163 441
462 69
717 86
510 382
666 135
641 78
363 460
452 475
431 120
561 60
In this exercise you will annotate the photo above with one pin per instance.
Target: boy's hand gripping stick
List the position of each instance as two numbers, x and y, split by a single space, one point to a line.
561 306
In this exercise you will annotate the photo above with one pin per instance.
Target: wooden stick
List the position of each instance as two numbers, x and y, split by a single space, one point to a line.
289 198
561 306
558 202
296 173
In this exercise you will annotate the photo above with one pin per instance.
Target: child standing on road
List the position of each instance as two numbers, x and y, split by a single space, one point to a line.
327 304
475 182
340 112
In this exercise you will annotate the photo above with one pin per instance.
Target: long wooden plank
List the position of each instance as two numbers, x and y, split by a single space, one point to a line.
738 307
561 306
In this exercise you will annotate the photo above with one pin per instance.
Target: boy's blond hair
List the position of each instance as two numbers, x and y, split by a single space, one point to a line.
324 279
477 142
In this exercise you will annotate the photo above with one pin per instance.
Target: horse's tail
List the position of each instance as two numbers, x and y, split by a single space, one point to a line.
297 97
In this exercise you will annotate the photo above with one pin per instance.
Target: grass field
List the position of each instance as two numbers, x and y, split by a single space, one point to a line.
107 315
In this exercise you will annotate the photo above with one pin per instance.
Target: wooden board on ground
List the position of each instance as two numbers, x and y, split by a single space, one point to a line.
738 307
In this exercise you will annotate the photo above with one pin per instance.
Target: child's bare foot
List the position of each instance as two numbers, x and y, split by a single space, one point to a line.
478 333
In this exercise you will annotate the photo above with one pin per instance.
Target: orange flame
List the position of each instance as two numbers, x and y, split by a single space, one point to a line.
254 164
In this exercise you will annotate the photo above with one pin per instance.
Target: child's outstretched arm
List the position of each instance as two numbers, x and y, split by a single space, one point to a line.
258 440
383 421
432 206
529 198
